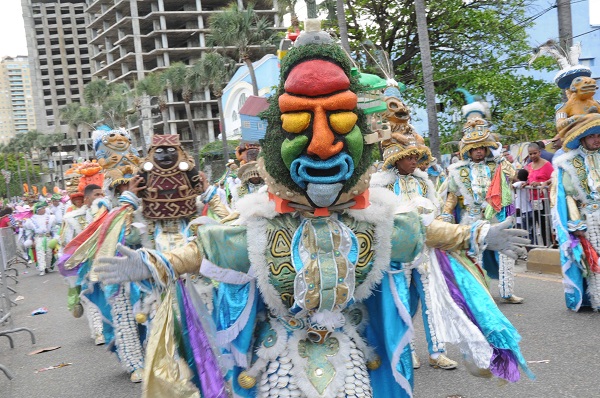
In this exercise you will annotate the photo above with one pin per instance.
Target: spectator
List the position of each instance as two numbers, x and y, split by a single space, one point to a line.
540 171
5 219
544 154
557 145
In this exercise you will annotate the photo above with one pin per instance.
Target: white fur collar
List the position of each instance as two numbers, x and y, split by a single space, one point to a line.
383 178
255 205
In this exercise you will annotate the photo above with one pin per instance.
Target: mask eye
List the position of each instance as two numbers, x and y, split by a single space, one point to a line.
295 122
158 150
343 122
393 105
171 149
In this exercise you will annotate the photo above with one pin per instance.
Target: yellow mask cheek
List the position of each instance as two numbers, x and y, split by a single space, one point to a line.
295 122
343 122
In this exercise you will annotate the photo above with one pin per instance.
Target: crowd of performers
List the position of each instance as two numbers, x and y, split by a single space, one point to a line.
298 273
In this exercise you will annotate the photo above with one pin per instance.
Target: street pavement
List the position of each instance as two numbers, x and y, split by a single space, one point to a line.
94 372
566 340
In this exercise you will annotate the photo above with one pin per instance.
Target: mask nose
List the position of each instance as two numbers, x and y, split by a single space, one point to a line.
322 144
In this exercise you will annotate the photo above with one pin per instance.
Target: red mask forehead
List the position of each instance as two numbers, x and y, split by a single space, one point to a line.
316 77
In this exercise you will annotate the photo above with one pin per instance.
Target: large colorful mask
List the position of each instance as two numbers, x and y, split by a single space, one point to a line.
113 148
172 181
314 152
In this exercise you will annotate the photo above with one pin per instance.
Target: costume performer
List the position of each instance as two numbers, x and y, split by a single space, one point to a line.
40 231
401 155
576 211
82 295
307 303
172 186
478 189
58 208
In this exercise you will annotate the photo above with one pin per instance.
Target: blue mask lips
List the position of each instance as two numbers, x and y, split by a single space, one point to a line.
322 179
336 169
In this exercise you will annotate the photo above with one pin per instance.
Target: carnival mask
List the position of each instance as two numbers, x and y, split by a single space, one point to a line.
117 140
319 132
165 157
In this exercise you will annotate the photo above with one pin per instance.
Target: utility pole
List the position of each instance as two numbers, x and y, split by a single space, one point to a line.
434 136
565 24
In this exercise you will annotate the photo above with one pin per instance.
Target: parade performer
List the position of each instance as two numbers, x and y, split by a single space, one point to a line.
400 174
58 208
74 223
40 232
576 184
169 185
172 186
478 189
307 269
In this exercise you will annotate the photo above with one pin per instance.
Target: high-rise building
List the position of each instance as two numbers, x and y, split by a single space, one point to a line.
16 101
131 38
57 44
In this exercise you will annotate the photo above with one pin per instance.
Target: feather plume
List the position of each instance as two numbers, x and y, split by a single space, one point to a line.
381 59
554 50
574 53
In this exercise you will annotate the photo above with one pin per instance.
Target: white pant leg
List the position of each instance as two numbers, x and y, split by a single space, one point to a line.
506 271
40 252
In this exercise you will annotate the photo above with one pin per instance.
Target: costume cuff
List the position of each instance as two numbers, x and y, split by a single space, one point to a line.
129 198
477 243
576 225
168 266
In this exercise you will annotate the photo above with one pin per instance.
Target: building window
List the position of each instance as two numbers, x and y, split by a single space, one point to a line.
241 101
234 116
246 124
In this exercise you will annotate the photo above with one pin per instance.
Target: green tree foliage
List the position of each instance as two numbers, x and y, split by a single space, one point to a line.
242 31
478 45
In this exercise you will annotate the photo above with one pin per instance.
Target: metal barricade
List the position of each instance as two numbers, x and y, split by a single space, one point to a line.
534 215
8 253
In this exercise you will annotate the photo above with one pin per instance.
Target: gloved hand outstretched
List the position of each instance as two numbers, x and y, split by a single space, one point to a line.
506 240
496 153
129 268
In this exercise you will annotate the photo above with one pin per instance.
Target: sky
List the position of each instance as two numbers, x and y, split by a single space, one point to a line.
12 29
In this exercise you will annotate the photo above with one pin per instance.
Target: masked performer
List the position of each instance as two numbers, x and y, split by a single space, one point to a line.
478 189
576 214
307 303
40 230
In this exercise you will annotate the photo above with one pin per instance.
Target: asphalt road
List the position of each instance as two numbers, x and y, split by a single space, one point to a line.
94 372
567 341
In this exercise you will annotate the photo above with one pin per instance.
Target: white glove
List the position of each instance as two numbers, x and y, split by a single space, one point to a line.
129 268
496 153
509 241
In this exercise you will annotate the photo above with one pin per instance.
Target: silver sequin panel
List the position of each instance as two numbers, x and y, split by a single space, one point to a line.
277 382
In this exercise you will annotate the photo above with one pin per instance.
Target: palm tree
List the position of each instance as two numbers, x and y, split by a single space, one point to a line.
241 29
14 146
214 72
182 79
96 91
71 115
42 144
154 86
